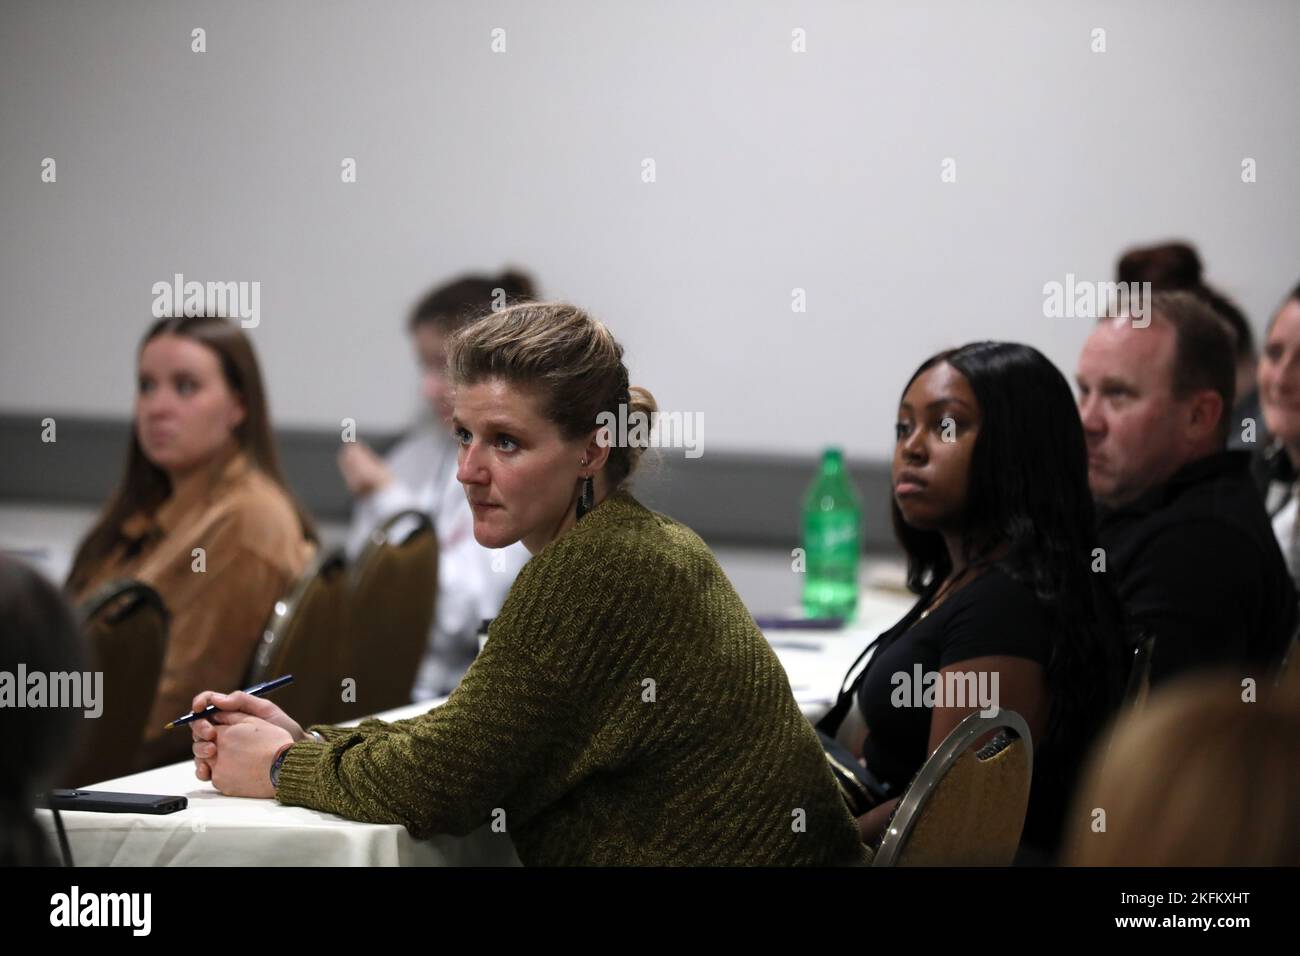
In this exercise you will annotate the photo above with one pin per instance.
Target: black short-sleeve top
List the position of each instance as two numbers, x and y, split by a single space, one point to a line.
991 616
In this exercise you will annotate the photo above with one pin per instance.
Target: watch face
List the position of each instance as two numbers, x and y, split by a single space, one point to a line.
275 767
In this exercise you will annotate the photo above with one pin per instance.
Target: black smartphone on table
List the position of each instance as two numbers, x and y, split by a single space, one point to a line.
108 801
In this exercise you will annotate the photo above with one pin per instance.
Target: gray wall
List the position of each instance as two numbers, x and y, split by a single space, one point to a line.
776 170
728 498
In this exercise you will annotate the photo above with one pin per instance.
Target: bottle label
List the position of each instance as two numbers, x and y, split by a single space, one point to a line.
832 534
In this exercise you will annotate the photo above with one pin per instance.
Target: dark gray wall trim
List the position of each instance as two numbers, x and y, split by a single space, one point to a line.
729 498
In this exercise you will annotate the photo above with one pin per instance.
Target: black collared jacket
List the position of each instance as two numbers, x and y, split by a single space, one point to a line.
1197 565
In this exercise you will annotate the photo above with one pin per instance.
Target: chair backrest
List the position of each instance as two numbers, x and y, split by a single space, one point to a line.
303 637
1288 668
392 588
965 808
1139 675
125 624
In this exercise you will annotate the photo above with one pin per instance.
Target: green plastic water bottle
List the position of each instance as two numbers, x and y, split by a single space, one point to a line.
832 538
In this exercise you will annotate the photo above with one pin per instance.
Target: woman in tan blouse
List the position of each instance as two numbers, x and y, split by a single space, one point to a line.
203 514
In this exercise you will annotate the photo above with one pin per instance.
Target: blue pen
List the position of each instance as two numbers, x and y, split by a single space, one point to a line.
257 690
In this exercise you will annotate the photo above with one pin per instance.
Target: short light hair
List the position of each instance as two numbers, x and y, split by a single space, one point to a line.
567 357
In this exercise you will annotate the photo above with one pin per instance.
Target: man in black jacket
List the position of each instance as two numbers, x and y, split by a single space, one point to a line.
1184 532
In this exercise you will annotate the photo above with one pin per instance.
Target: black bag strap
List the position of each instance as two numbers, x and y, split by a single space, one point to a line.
831 720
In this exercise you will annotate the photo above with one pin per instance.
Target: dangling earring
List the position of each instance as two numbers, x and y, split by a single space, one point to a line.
585 498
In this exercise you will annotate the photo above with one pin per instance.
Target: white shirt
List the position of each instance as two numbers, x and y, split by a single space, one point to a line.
1284 527
473 581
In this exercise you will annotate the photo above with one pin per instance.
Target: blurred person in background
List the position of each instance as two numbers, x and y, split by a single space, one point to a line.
1278 463
203 514
419 474
1185 534
1175 267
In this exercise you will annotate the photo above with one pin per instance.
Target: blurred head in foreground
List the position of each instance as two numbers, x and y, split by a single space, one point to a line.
1200 777
38 631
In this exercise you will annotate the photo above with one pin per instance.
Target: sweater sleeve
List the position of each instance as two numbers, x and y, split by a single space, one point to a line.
508 737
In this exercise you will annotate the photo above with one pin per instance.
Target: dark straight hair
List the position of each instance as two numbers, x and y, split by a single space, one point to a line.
1029 492
451 306
1176 267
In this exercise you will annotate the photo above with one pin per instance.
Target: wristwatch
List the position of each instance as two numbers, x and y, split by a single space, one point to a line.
276 764
279 758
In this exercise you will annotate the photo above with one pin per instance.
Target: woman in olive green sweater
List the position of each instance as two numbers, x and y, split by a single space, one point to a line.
625 709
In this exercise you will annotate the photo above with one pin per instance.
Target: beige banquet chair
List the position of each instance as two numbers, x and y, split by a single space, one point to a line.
391 591
965 808
303 637
125 625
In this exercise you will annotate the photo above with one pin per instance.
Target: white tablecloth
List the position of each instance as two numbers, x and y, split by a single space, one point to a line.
217 830
817 661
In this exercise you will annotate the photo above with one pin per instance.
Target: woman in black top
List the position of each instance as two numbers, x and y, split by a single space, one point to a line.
991 504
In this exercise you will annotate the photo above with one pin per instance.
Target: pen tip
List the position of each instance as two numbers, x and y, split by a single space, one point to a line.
169 725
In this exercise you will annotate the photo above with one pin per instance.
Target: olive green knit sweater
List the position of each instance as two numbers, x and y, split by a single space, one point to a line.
625 710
